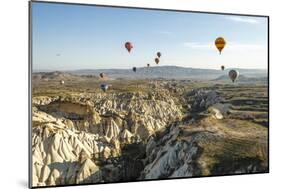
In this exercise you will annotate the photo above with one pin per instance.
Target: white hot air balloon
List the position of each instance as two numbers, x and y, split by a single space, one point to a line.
233 75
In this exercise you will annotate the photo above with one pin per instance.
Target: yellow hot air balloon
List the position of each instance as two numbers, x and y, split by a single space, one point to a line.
220 43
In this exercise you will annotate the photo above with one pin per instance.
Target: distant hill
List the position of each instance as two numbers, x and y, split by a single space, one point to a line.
58 75
243 79
168 72
52 75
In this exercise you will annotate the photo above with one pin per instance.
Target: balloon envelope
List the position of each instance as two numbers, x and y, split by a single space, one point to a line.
220 43
128 46
233 75
159 54
156 60
104 87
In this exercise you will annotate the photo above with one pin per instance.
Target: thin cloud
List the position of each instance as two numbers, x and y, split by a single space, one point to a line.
165 32
197 45
244 46
242 19
230 45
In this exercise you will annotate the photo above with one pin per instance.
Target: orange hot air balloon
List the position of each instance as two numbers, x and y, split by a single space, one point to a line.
220 43
128 46
156 60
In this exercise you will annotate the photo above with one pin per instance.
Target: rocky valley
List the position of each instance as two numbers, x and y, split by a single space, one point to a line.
145 129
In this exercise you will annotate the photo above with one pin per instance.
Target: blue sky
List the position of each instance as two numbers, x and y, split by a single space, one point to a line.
69 37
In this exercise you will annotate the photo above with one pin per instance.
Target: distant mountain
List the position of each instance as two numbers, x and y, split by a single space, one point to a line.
169 72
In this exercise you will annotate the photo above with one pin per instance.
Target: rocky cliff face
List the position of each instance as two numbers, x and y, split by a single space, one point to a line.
208 143
125 136
206 148
77 139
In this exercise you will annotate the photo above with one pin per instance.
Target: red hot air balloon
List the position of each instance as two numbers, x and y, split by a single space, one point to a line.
128 46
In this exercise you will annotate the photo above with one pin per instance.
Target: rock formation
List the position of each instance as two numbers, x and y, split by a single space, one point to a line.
170 131
73 135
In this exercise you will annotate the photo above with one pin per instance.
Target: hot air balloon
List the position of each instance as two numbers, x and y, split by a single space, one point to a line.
222 67
148 65
233 75
101 75
104 87
220 43
158 54
156 60
128 46
134 69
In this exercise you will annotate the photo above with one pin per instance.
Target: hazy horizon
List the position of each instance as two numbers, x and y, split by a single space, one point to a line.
93 38
217 69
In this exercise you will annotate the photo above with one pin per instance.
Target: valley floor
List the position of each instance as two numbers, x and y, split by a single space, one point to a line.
146 129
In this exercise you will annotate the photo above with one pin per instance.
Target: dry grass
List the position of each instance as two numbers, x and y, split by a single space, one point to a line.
228 141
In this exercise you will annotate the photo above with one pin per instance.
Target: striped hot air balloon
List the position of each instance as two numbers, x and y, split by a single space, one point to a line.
220 43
